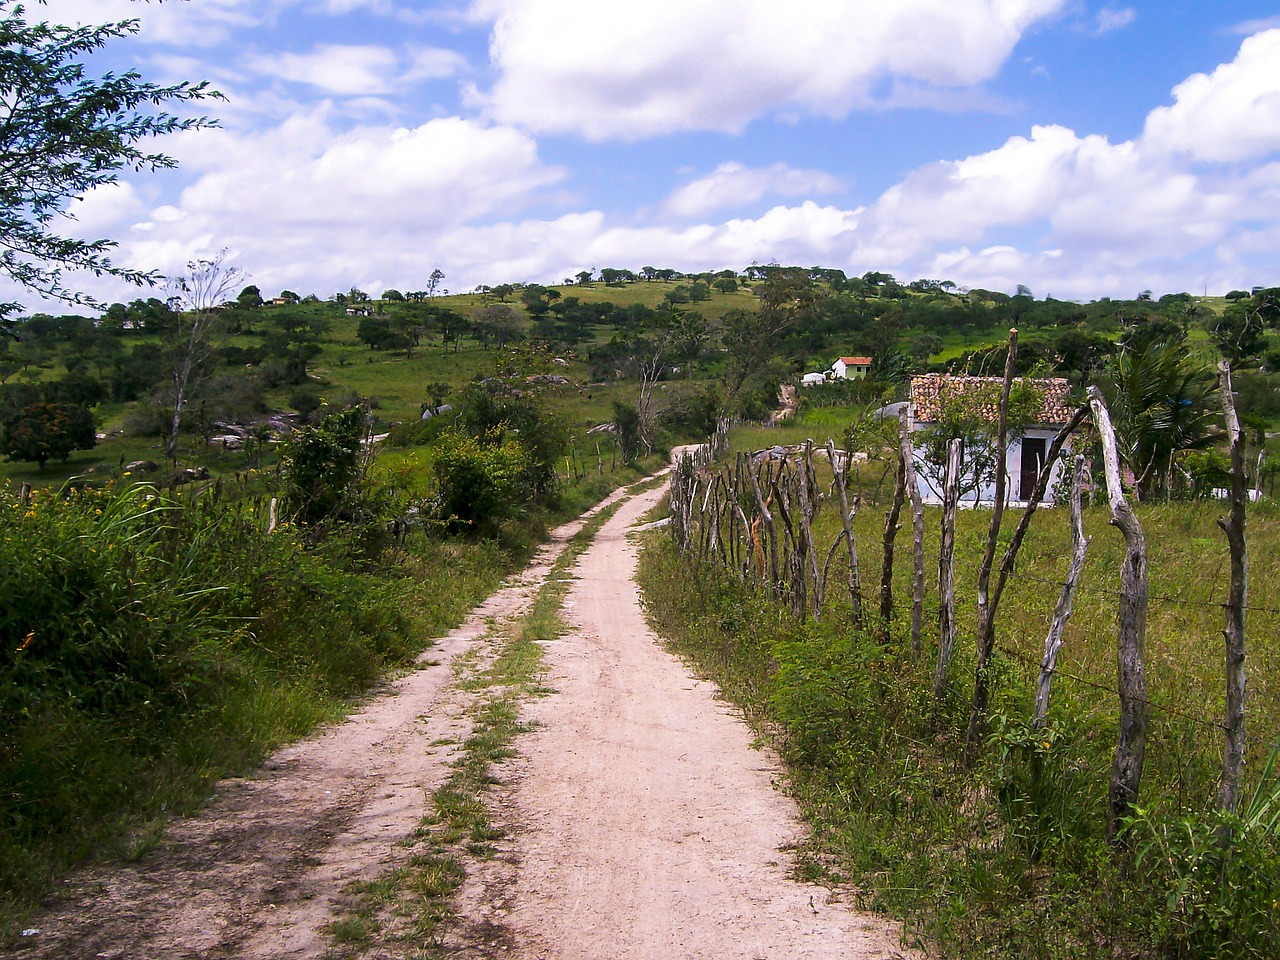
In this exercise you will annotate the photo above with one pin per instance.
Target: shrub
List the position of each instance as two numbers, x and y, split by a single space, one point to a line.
478 484
323 467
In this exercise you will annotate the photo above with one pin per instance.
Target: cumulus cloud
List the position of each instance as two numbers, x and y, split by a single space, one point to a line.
303 205
202 24
682 65
734 185
1230 114
341 70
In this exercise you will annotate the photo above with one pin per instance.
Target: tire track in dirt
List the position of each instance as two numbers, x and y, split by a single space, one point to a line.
642 823
261 870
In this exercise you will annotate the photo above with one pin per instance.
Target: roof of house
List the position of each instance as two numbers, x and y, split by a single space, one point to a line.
928 392
856 361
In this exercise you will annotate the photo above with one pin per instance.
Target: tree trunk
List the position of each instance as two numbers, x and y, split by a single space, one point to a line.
917 534
1131 744
1233 525
946 574
986 609
1062 613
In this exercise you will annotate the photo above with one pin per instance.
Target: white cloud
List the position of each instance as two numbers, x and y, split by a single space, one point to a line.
1110 18
340 70
203 24
664 65
1231 114
736 185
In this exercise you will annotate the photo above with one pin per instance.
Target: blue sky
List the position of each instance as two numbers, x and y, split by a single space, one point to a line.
1082 149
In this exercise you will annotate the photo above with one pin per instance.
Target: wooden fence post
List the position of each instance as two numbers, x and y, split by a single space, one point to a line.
891 527
917 533
1062 612
1233 525
977 715
1131 743
986 609
946 574
846 521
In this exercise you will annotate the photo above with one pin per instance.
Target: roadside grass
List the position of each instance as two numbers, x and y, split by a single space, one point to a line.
1009 859
412 905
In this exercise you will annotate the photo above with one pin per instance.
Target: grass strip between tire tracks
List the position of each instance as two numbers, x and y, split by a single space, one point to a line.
414 904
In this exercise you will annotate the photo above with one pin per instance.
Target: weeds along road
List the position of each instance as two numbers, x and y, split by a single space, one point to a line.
634 819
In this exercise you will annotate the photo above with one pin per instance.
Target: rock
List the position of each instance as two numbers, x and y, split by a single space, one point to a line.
190 475
142 466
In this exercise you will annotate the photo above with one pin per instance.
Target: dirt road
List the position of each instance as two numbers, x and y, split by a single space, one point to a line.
640 822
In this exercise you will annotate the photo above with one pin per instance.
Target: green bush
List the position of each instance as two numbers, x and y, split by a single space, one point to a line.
323 468
479 484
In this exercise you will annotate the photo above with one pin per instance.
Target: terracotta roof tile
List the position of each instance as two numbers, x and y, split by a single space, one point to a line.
928 392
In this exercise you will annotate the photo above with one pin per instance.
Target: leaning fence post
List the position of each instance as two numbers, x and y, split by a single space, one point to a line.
846 522
1062 612
1233 525
1131 744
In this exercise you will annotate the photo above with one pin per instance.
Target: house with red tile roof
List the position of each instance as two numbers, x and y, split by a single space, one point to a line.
851 368
1025 455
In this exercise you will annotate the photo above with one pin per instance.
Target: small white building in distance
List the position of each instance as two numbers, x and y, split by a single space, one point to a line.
851 368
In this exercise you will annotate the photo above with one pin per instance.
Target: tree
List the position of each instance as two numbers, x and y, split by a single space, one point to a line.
250 298
190 343
1162 401
324 467
499 323
64 132
393 295
44 430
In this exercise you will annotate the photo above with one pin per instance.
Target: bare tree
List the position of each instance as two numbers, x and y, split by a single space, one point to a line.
196 297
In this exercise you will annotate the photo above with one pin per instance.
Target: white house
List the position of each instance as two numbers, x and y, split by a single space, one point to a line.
851 368
1024 457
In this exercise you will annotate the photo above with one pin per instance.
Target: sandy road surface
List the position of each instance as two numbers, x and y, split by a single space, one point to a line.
646 825
641 823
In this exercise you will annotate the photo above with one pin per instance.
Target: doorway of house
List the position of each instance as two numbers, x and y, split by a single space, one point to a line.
1033 451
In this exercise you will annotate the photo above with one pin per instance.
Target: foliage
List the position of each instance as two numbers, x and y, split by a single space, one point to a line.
45 430
64 133
160 643
478 483
324 466
497 409
626 420
1162 402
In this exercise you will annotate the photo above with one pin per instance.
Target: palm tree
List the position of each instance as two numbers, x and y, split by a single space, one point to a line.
1162 401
